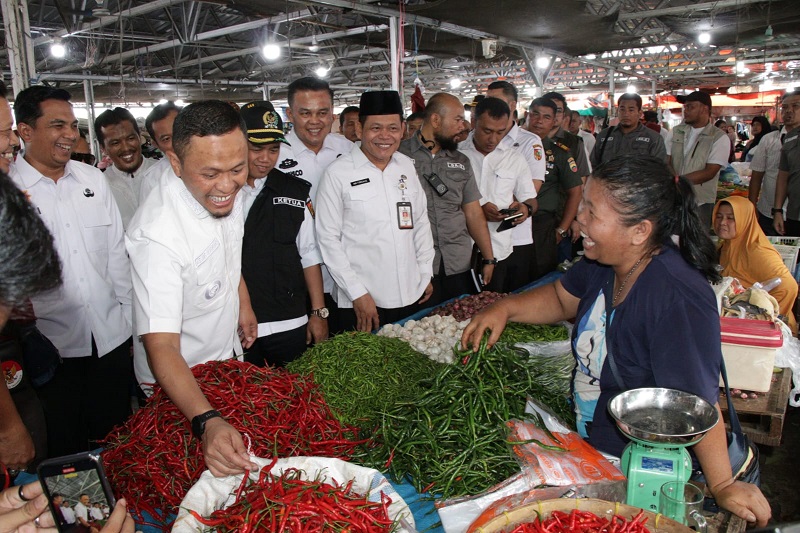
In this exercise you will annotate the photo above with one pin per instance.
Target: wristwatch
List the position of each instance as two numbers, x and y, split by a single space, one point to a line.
322 312
776 210
530 209
562 232
492 261
199 422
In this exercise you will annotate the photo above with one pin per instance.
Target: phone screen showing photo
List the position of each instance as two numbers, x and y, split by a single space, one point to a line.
79 496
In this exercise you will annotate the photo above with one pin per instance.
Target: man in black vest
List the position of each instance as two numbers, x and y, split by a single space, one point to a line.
280 258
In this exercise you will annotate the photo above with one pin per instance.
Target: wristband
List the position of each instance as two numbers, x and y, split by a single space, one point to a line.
530 209
562 232
776 210
492 261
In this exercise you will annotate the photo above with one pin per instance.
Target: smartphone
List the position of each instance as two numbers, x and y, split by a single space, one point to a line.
508 211
77 483
508 222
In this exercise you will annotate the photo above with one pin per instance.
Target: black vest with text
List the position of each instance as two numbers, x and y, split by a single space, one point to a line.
271 264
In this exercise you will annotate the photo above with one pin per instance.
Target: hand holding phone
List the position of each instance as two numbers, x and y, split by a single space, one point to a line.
80 481
508 222
509 211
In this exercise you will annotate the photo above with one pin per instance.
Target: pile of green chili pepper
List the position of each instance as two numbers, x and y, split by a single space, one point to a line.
361 374
450 438
516 333
289 503
153 459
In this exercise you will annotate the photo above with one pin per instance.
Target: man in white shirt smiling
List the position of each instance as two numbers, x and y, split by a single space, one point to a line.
372 222
185 244
88 318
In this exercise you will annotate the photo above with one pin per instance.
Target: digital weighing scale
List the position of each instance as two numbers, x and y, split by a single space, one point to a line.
661 423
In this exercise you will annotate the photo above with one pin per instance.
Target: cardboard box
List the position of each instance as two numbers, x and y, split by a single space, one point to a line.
748 347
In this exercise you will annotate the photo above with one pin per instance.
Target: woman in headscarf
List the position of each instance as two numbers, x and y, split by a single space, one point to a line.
759 127
747 255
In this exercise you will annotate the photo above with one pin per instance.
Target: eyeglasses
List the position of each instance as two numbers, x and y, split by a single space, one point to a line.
89 159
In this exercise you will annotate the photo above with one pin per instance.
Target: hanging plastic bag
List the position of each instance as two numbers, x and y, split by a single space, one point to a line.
788 356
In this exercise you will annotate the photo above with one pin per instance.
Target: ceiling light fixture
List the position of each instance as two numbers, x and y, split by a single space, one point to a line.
57 49
322 71
590 56
455 83
314 46
180 103
542 62
631 89
271 51
733 117
704 38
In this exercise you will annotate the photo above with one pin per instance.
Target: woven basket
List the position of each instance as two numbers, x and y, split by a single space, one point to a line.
527 513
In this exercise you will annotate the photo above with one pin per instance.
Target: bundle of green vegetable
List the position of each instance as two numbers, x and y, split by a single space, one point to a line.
361 375
450 438
516 333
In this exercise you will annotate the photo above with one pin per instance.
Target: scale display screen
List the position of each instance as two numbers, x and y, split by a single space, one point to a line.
665 466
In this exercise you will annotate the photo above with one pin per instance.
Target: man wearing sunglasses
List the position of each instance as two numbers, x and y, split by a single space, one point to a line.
454 207
81 152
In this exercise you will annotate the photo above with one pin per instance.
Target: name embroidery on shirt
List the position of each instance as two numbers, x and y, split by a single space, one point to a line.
200 259
296 173
359 182
294 202
456 165
288 163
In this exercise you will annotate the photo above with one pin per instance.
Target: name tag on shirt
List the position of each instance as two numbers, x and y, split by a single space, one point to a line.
294 202
405 220
456 165
359 182
643 139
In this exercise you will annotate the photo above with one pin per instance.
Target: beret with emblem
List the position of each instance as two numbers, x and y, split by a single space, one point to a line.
264 124
380 103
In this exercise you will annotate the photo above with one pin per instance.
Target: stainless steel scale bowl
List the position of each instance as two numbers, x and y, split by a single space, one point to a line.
661 423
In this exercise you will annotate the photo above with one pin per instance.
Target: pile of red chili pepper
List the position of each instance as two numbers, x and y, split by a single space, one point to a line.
289 503
153 459
584 522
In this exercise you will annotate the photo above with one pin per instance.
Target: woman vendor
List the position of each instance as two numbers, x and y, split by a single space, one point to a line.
664 328
747 255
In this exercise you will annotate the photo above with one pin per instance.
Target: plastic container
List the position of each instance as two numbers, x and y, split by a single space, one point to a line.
748 347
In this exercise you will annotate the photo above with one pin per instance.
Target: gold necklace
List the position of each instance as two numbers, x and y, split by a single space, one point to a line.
625 281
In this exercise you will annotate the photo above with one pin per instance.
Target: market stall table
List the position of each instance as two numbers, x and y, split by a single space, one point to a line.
762 417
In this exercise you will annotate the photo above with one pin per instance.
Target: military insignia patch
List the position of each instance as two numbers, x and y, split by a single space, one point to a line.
572 166
287 163
537 152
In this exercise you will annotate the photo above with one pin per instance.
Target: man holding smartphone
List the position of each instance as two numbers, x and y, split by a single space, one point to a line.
185 245
504 179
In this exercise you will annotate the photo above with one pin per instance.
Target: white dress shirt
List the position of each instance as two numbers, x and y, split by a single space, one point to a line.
502 175
588 142
152 177
126 186
95 298
529 146
300 161
97 513
186 267
68 514
359 234
306 242
81 511
766 156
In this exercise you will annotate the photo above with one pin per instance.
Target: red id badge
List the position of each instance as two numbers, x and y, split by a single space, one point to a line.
405 220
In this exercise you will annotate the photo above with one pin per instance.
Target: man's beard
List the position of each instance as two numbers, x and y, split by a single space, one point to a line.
445 143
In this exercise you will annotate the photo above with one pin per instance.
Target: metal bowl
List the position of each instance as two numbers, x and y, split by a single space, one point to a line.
663 416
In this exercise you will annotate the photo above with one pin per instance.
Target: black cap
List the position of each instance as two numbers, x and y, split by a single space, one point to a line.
380 103
475 100
264 124
696 96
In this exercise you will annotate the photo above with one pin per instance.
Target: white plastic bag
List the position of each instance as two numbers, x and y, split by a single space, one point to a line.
211 493
788 356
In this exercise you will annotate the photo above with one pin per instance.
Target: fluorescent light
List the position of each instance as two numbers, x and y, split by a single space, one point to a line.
704 38
542 62
58 50
455 83
590 56
272 51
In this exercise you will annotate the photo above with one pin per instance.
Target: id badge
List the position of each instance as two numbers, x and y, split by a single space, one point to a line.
405 220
